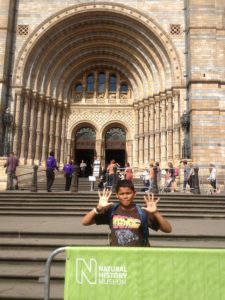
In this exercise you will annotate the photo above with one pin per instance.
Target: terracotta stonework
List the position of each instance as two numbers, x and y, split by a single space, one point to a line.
135 65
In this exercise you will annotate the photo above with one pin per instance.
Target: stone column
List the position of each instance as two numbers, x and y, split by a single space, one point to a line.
69 142
32 129
152 129
146 133
141 136
52 126
170 127
45 144
17 128
157 128
63 136
26 119
39 131
58 131
176 119
136 150
163 127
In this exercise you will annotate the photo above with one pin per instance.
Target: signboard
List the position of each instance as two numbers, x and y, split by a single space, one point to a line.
144 273
92 178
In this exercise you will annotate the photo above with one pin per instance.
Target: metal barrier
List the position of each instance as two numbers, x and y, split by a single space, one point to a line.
161 273
46 278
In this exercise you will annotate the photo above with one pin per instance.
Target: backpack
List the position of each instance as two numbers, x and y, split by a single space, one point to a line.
176 171
142 215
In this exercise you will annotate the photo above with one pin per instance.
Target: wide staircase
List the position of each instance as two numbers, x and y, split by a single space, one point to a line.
34 224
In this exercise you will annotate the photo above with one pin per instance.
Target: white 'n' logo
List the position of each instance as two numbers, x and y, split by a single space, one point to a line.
86 270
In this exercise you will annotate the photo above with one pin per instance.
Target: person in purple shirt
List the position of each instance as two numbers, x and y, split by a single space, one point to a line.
10 165
68 170
51 165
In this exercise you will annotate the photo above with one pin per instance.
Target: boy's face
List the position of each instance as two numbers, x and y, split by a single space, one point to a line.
125 196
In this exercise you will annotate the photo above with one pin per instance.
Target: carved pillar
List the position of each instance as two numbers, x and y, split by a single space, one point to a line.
163 127
69 142
26 118
63 136
157 128
39 131
136 151
32 129
17 124
129 152
152 130
52 127
141 136
58 131
170 127
176 125
98 147
146 133
45 144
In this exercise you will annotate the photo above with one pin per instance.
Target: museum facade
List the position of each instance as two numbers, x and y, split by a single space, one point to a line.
136 81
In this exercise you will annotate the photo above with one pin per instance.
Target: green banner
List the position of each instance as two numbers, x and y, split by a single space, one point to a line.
144 274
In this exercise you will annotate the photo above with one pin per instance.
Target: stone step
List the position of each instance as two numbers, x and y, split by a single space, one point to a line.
28 289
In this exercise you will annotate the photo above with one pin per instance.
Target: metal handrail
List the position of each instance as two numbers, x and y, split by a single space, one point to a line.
46 278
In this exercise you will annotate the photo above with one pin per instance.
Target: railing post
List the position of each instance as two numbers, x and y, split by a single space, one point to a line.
154 188
115 178
34 187
196 181
74 186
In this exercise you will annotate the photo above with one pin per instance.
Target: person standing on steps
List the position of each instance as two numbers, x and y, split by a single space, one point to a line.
83 167
11 164
128 221
68 170
51 165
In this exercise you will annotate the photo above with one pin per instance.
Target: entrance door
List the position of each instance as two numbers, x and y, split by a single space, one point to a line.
117 155
115 146
85 147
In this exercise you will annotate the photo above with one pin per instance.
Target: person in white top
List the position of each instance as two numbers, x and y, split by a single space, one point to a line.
212 176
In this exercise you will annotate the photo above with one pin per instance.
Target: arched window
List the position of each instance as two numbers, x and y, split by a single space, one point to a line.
112 83
78 88
101 82
123 88
90 83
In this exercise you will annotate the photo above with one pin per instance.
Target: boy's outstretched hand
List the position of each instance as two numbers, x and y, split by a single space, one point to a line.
104 198
151 203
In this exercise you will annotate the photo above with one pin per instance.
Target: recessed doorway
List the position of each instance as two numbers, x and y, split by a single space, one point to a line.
85 148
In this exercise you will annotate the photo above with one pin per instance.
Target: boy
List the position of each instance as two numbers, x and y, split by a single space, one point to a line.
128 222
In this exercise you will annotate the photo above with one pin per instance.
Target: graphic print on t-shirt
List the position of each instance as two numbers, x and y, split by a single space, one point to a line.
122 226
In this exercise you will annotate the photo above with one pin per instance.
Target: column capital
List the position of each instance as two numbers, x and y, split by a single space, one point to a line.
162 96
156 98
169 95
146 102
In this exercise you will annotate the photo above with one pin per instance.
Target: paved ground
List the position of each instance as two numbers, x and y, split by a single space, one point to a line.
73 224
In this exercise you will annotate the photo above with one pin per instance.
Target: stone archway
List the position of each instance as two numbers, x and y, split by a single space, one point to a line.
113 38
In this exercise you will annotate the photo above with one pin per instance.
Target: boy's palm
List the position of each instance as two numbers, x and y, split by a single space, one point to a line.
151 203
104 198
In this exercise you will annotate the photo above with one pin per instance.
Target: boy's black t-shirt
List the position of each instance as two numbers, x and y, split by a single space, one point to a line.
125 229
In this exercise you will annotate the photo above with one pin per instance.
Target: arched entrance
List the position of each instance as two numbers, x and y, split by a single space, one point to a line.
115 145
85 147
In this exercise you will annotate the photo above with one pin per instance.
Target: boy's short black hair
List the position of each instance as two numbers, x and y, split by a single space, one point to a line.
126 184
